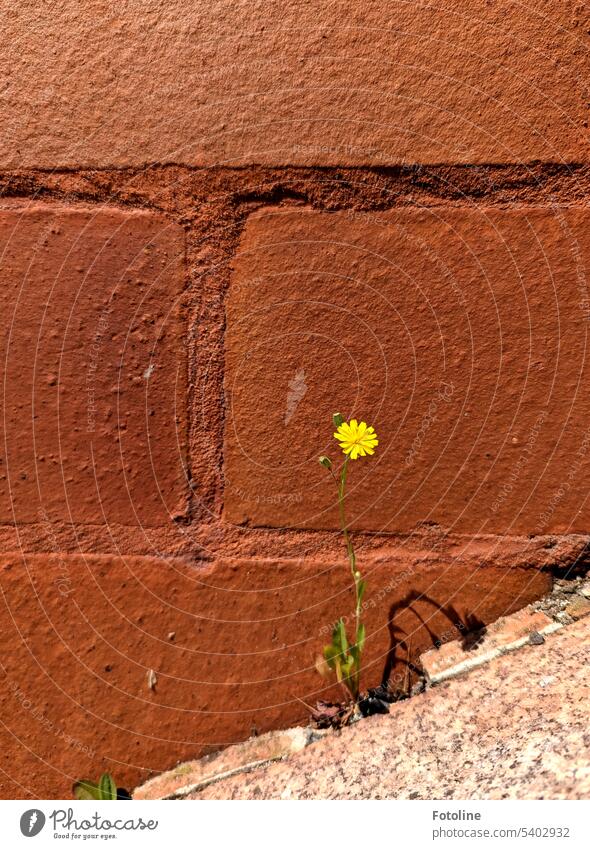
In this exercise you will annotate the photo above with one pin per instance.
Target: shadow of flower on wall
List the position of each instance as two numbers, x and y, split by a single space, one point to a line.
468 625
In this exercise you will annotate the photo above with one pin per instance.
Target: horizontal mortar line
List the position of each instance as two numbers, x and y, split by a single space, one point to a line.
406 167
526 197
192 558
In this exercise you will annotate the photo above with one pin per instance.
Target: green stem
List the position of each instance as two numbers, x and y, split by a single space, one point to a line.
356 576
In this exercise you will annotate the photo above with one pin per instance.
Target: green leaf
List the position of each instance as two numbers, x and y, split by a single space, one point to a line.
340 634
331 654
86 790
360 638
341 669
348 666
107 787
361 587
336 638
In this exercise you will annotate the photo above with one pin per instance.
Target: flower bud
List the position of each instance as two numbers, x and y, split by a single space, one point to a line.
337 418
325 462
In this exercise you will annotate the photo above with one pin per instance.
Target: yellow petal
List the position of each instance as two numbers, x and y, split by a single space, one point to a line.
343 432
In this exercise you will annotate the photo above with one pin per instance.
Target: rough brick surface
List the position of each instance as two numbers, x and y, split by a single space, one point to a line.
232 645
92 366
460 331
460 334
578 608
309 83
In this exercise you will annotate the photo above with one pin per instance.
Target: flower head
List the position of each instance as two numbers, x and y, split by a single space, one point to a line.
356 440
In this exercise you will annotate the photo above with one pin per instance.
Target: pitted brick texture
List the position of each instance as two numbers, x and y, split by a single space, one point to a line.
308 83
232 645
139 142
93 367
460 334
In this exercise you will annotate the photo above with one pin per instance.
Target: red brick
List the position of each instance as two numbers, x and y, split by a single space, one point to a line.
578 608
78 635
460 334
507 633
92 365
305 83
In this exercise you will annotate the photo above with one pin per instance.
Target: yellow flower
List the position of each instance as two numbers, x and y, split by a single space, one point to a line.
356 439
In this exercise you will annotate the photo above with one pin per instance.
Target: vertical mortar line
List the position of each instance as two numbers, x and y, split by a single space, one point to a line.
240 221
187 459
320 187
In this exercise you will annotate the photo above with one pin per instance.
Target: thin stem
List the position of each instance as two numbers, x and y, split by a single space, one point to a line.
351 559
343 524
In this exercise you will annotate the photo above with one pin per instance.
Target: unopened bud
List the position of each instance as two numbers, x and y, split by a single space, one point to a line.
337 418
325 462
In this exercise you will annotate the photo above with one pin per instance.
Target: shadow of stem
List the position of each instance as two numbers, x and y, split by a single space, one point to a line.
469 625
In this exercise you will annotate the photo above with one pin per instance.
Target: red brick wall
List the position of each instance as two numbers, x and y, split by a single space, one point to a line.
219 223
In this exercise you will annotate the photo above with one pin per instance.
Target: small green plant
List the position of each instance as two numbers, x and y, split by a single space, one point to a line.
102 791
343 654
